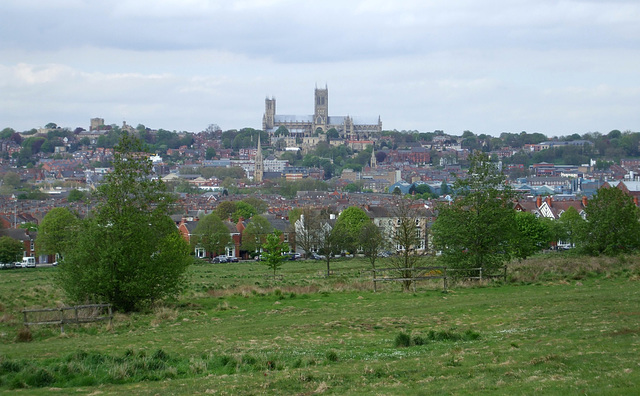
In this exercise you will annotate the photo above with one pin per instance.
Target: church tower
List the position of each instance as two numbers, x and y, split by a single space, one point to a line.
321 112
259 164
268 120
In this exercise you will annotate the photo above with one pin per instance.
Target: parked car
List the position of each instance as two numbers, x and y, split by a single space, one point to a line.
232 259
316 256
220 259
17 264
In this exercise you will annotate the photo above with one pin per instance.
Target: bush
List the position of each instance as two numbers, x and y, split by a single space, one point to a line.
402 340
24 335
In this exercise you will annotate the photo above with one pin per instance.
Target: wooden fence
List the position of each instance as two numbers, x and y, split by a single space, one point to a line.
425 273
68 315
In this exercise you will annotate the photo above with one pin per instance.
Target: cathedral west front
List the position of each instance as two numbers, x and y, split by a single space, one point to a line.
348 128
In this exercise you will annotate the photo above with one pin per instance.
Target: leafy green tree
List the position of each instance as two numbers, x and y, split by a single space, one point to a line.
475 230
349 223
225 209
129 253
259 205
212 234
244 210
531 236
572 225
210 153
307 230
10 249
76 195
57 232
11 179
255 233
613 225
274 250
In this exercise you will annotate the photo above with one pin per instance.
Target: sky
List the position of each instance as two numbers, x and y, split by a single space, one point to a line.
491 66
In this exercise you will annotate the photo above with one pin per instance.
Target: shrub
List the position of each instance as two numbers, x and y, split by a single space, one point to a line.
24 335
331 356
402 340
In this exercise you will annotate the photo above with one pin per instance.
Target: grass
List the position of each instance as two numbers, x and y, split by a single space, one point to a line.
560 325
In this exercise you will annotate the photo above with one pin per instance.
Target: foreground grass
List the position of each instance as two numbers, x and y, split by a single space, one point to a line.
237 332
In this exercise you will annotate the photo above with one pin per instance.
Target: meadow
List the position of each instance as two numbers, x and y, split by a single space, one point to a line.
559 325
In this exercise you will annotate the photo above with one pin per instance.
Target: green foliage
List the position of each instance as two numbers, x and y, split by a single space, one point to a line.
129 253
274 249
57 232
10 249
570 226
258 205
531 235
476 230
613 225
350 223
76 195
11 179
255 233
225 209
212 234
243 210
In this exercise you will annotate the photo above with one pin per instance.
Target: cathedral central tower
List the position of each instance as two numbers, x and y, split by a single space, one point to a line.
321 113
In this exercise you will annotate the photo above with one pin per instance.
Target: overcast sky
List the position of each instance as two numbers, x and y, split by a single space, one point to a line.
490 66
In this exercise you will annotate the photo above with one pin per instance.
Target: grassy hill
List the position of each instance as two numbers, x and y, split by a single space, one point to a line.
560 325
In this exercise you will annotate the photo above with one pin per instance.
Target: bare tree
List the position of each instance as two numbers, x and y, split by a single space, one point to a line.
408 240
307 230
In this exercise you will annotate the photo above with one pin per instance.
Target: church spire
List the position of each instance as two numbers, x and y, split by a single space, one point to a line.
373 161
259 164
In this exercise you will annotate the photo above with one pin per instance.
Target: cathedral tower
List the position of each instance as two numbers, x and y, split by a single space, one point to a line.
268 119
321 113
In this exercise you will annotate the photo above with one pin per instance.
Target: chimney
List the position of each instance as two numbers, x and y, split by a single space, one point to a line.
635 200
538 201
549 200
584 200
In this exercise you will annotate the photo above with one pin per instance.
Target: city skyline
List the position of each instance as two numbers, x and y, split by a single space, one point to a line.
553 67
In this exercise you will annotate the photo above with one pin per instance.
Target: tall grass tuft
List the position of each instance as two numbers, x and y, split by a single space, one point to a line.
24 335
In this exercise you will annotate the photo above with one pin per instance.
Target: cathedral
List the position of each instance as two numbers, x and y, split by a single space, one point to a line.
349 128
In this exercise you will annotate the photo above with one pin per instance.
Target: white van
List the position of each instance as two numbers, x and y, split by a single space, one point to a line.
28 262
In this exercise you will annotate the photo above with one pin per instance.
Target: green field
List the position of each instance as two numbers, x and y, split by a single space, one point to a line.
560 325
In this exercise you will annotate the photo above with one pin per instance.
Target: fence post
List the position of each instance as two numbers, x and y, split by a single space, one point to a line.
445 279
110 317
480 274
374 280
61 321
75 309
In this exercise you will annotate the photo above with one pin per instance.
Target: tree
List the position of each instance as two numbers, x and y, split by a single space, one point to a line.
10 249
11 179
76 195
129 253
212 234
612 223
255 233
531 236
349 223
307 230
244 210
57 231
330 241
571 225
259 205
475 231
210 153
372 242
407 240
225 209
274 250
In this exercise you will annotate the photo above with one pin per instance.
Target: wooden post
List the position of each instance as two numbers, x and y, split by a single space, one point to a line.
110 317
445 279
480 274
374 280
24 312
75 309
61 321
505 274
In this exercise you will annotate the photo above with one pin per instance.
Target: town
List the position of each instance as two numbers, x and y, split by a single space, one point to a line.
316 161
